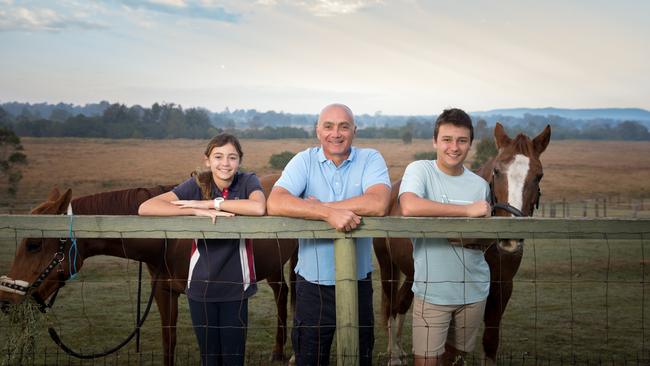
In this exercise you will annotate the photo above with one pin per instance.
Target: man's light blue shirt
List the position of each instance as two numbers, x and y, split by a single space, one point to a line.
310 173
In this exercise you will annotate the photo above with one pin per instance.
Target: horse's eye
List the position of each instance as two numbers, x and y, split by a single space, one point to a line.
496 171
33 246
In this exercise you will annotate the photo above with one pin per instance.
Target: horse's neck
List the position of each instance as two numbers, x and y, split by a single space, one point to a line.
143 250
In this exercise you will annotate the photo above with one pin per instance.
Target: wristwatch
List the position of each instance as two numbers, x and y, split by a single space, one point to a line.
217 203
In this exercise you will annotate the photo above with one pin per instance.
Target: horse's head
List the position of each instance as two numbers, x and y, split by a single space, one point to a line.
41 264
514 176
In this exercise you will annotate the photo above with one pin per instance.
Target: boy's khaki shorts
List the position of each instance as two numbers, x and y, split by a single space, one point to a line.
435 325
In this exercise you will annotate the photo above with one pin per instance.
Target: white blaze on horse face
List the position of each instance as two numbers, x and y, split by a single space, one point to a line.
517 172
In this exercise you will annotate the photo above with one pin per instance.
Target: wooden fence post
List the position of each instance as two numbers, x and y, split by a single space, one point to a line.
584 208
347 303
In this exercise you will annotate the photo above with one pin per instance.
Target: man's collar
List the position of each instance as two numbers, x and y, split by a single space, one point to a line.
322 158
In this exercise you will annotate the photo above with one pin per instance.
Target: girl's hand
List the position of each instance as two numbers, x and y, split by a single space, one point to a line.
212 214
207 204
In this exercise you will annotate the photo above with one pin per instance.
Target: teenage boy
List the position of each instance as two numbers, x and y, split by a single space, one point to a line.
451 282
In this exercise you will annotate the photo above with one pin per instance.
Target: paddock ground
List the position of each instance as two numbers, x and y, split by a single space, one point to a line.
581 300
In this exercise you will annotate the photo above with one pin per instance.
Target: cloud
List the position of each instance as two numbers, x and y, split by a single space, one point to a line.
322 8
185 9
327 8
42 19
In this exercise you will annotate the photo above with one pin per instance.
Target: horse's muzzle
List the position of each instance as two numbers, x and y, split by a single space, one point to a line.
510 246
4 306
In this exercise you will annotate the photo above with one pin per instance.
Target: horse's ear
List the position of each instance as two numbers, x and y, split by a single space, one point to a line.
541 141
61 204
500 136
54 194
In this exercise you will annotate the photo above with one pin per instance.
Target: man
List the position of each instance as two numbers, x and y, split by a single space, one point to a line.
451 282
336 183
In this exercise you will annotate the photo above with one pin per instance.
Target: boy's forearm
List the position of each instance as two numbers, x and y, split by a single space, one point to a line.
413 205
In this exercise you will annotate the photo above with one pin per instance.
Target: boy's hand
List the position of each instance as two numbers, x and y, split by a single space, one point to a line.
479 209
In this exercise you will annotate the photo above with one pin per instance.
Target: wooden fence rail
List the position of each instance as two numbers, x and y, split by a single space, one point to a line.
280 227
18 226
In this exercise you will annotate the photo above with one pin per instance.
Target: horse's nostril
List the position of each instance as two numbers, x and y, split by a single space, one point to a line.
4 306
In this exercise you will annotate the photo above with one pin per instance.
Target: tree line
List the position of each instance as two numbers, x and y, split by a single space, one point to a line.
169 120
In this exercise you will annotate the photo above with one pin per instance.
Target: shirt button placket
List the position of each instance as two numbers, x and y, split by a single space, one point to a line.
338 184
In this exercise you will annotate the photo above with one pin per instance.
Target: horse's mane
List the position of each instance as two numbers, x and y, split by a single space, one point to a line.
123 202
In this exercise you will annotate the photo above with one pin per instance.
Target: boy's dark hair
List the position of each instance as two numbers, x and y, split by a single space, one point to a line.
204 178
456 117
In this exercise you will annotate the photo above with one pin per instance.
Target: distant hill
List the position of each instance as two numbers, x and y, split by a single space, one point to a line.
616 114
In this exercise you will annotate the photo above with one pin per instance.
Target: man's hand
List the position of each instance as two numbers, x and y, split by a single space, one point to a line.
343 220
479 209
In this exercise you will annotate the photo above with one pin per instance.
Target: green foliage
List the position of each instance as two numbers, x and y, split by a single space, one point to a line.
119 121
486 149
279 161
272 133
425 155
11 157
407 136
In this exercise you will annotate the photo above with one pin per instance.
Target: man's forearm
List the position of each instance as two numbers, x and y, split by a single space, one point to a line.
286 204
371 203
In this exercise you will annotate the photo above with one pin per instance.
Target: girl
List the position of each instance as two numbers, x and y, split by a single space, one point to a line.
221 275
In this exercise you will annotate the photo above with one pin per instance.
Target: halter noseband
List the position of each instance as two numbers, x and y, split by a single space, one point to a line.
15 286
20 287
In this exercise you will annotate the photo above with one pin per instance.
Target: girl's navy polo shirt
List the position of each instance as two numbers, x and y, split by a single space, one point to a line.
221 269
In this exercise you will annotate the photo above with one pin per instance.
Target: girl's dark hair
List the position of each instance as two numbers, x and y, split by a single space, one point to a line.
456 117
204 178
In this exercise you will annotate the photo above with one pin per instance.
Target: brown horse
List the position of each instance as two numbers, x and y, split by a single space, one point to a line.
514 176
167 260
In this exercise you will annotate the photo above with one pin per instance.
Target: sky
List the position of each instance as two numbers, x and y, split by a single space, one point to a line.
405 57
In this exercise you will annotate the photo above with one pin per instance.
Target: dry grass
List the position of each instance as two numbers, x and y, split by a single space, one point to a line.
573 169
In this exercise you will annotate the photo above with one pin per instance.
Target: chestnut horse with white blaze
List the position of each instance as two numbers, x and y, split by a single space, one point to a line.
34 273
514 176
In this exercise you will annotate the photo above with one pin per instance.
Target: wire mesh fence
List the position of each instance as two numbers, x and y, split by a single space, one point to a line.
580 300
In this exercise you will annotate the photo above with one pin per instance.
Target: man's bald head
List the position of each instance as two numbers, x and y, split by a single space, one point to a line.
338 111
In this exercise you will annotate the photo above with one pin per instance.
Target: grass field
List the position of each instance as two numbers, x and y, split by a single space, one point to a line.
582 300
574 170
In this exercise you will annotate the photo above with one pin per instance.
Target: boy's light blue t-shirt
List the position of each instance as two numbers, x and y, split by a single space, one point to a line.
310 173
447 274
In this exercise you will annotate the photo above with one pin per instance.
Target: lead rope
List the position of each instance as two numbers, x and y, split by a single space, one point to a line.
72 260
